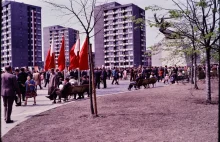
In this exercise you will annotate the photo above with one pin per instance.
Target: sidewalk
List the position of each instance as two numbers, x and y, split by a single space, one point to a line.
159 114
22 113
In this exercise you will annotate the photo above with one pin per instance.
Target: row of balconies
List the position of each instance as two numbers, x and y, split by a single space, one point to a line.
116 12
5 44
5 9
118 22
6 61
117 17
115 50
114 34
9 55
6 50
118 61
118 28
6 38
122 44
119 39
119 55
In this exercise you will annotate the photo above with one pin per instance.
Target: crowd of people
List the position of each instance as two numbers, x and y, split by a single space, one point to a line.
20 84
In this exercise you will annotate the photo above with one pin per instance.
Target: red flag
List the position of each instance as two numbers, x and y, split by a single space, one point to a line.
83 56
47 61
61 58
74 56
52 57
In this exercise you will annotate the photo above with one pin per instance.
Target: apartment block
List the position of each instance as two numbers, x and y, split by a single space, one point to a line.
21 35
57 32
119 42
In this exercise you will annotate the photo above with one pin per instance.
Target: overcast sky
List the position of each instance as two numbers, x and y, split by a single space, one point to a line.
51 17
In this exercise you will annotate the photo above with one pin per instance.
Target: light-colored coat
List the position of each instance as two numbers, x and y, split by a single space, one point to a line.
53 83
36 78
9 85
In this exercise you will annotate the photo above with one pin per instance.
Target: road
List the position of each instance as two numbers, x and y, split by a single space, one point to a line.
22 113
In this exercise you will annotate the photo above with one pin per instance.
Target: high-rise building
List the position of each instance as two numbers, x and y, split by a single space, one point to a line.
119 42
21 35
166 55
57 32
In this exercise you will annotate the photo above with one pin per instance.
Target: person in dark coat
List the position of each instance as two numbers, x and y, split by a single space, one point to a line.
62 93
72 73
76 74
22 77
109 74
9 88
47 77
97 78
104 77
132 75
84 73
29 72
17 101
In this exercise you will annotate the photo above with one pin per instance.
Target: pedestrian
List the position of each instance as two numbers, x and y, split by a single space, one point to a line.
53 82
115 77
9 88
104 77
132 75
109 74
47 77
37 79
22 77
125 74
42 78
160 75
17 98
166 79
97 78
30 90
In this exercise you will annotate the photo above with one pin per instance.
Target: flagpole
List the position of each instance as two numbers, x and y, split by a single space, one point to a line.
64 71
78 56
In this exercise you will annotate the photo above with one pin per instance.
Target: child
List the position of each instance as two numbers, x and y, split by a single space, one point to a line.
166 79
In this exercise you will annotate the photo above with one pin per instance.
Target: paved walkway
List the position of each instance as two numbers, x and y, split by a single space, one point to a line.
20 114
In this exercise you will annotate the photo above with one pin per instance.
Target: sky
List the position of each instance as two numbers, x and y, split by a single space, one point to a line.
51 17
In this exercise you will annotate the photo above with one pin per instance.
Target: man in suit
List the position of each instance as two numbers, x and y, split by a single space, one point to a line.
9 88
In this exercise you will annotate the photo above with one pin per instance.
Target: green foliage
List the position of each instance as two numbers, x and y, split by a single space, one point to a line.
202 3
209 35
175 14
215 56
153 8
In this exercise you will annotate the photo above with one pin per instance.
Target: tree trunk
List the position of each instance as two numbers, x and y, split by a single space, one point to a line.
90 80
191 70
195 71
208 79
92 77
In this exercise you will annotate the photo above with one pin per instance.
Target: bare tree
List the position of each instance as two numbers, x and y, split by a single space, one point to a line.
88 19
